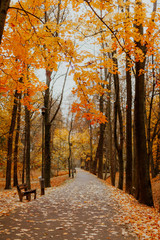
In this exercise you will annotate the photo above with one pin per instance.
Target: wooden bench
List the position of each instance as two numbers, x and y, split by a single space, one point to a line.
23 191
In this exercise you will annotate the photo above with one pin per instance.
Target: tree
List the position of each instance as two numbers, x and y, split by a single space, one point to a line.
129 144
16 148
10 142
70 160
4 5
145 192
118 113
28 143
109 133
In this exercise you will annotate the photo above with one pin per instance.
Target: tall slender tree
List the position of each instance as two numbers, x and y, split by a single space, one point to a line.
118 113
10 142
16 148
145 191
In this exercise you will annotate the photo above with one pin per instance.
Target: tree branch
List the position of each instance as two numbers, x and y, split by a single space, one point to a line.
57 110
27 12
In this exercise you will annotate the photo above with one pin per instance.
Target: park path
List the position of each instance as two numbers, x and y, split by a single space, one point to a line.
81 209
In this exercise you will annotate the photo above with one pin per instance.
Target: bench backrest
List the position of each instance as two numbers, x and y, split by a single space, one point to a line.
21 187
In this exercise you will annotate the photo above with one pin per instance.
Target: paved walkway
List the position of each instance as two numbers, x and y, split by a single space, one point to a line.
81 209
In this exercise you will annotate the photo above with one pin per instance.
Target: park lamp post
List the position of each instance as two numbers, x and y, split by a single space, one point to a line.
41 179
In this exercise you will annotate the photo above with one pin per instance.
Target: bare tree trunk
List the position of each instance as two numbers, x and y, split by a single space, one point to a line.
118 113
94 166
99 151
4 5
111 158
70 164
24 159
47 152
101 142
157 165
135 177
128 131
91 148
149 138
47 161
145 191
27 132
15 175
10 142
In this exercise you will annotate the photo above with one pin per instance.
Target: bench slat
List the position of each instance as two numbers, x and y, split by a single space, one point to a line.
26 193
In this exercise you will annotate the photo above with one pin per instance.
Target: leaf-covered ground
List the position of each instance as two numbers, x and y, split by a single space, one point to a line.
80 209
9 199
145 221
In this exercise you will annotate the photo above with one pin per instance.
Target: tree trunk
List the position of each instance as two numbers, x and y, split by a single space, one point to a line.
100 151
101 142
157 165
91 148
48 122
69 167
47 153
15 175
128 131
118 148
153 169
4 5
145 191
94 166
10 143
70 164
135 178
24 160
111 158
149 138
118 113
47 160
27 132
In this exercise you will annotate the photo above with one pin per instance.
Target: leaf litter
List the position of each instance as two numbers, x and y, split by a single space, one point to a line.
9 199
144 220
